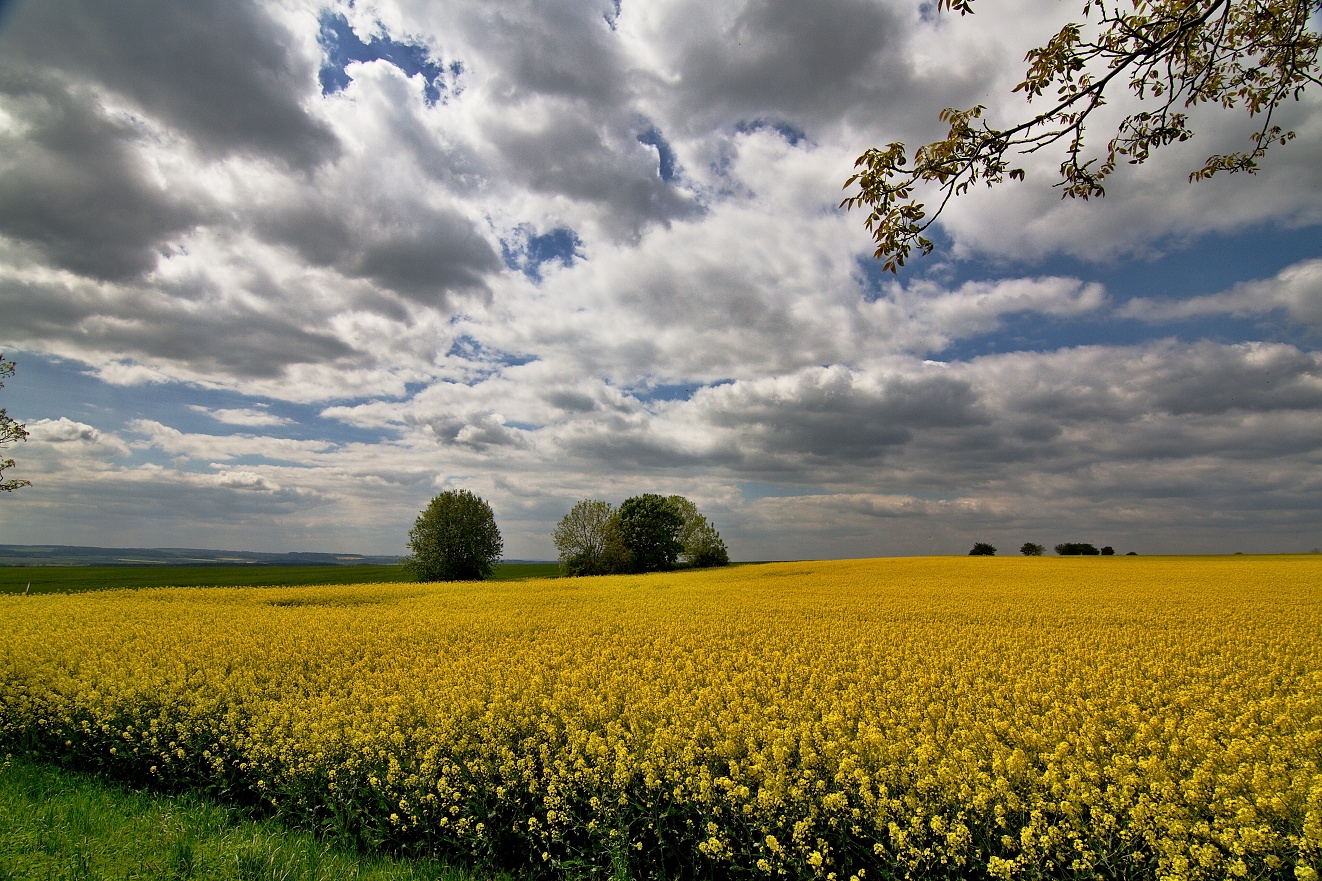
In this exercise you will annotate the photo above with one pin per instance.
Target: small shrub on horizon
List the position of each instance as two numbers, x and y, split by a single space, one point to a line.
1076 549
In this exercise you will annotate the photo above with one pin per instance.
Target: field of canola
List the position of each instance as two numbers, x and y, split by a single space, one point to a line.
1114 718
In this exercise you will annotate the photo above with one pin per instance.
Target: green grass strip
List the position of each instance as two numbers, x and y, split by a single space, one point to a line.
77 579
57 824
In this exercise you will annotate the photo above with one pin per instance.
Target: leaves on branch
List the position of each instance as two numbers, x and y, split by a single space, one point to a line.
1173 55
10 432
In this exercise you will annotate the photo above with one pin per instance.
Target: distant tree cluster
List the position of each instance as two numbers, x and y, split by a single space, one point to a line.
455 538
647 533
1032 549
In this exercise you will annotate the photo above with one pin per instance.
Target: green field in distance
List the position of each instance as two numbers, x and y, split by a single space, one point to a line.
69 579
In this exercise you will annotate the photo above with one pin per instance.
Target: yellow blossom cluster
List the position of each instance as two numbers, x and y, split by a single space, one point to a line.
1116 718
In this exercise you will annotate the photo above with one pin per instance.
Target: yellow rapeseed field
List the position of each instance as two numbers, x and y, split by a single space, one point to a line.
1115 718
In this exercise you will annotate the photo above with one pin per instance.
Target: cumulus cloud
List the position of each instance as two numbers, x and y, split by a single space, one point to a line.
84 437
182 66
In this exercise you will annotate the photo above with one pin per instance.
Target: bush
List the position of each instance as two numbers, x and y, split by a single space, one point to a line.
1075 549
588 540
982 549
454 539
701 544
1029 549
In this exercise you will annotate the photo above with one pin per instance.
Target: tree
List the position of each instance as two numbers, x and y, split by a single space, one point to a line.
701 544
1172 55
1029 549
982 549
649 530
1075 549
1108 551
454 539
588 540
10 432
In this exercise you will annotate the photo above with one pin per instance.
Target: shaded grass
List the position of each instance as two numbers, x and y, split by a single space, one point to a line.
58 824
76 579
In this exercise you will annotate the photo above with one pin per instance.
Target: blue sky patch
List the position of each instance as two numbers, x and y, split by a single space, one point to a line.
793 135
666 155
561 244
343 46
49 388
1214 263
472 349
674 391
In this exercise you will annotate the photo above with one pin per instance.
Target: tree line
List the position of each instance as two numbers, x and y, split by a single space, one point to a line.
455 538
1064 549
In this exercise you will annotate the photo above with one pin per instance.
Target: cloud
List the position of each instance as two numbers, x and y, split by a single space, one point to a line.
75 435
249 416
1296 289
227 75
75 185
771 60
209 447
548 251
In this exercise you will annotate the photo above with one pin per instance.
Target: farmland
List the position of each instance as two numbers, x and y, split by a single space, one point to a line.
1123 718
69 579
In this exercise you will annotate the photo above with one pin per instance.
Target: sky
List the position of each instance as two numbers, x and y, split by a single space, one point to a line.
275 273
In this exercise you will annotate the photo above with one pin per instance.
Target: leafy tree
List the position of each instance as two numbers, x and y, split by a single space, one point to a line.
701 544
1029 549
454 539
982 549
649 530
1108 551
1075 549
1172 55
10 432
588 540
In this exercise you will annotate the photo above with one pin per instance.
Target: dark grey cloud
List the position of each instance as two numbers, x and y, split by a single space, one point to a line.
207 337
1214 379
558 48
427 257
74 185
839 417
426 254
791 61
571 401
632 448
221 73
568 150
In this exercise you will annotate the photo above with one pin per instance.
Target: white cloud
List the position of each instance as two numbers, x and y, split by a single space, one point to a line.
249 416
74 435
